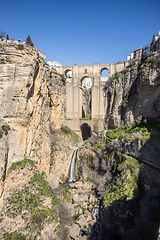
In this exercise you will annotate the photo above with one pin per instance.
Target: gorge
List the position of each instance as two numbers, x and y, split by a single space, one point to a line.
117 167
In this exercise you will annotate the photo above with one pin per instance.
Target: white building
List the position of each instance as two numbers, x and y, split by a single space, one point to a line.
54 64
146 51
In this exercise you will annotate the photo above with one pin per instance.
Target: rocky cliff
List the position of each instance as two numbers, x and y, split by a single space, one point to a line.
32 102
35 147
134 92
117 168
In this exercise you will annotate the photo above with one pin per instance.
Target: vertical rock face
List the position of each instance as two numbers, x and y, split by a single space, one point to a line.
31 101
134 92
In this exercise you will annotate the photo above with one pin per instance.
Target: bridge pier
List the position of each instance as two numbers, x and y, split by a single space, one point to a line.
73 106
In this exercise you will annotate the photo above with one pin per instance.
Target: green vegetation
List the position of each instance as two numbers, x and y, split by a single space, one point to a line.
139 120
88 160
147 63
85 119
29 41
128 134
20 164
125 100
20 47
1 133
5 129
100 145
2 34
28 202
116 75
63 79
51 130
42 186
125 186
7 37
63 178
89 179
13 236
67 130
110 157
66 193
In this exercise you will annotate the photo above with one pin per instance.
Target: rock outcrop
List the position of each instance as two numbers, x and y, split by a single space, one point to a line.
134 92
32 101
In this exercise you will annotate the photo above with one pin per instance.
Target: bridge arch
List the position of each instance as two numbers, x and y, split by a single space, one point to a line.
86 96
68 73
104 72
85 131
86 81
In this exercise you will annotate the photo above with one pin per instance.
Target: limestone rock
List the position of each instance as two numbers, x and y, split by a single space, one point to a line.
31 100
74 231
133 94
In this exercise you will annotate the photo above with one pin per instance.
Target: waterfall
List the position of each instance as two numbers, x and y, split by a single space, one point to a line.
72 177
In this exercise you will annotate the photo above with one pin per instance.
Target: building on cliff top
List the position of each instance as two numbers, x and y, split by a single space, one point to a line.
145 51
54 64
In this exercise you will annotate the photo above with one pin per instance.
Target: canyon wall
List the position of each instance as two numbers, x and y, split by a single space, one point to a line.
134 92
32 101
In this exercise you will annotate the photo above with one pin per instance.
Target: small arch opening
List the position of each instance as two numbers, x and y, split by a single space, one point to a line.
86 131
86 87
68 73
104 72
86 82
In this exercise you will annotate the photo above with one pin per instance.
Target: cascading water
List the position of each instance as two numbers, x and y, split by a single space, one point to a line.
72 177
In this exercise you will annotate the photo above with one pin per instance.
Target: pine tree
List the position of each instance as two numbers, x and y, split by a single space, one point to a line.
29 41
152 46
7 37
2 34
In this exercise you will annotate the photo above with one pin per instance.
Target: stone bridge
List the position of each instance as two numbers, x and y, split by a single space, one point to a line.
84 109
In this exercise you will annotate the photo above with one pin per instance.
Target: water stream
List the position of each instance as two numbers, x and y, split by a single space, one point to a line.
96 209
72 177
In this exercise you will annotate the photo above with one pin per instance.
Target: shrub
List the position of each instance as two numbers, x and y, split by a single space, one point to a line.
66 193
5 129
116 75
20 47
13 236
63 79
125 100
139 120
100 145
1 134
67 130
20 164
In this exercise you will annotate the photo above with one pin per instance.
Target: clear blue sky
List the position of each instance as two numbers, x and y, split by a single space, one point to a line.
82 31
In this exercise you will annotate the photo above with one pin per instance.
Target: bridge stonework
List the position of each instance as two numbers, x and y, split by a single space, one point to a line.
73 106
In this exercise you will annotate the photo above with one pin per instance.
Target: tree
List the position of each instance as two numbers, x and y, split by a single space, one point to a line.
2 34
7 37
29 41
152 46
